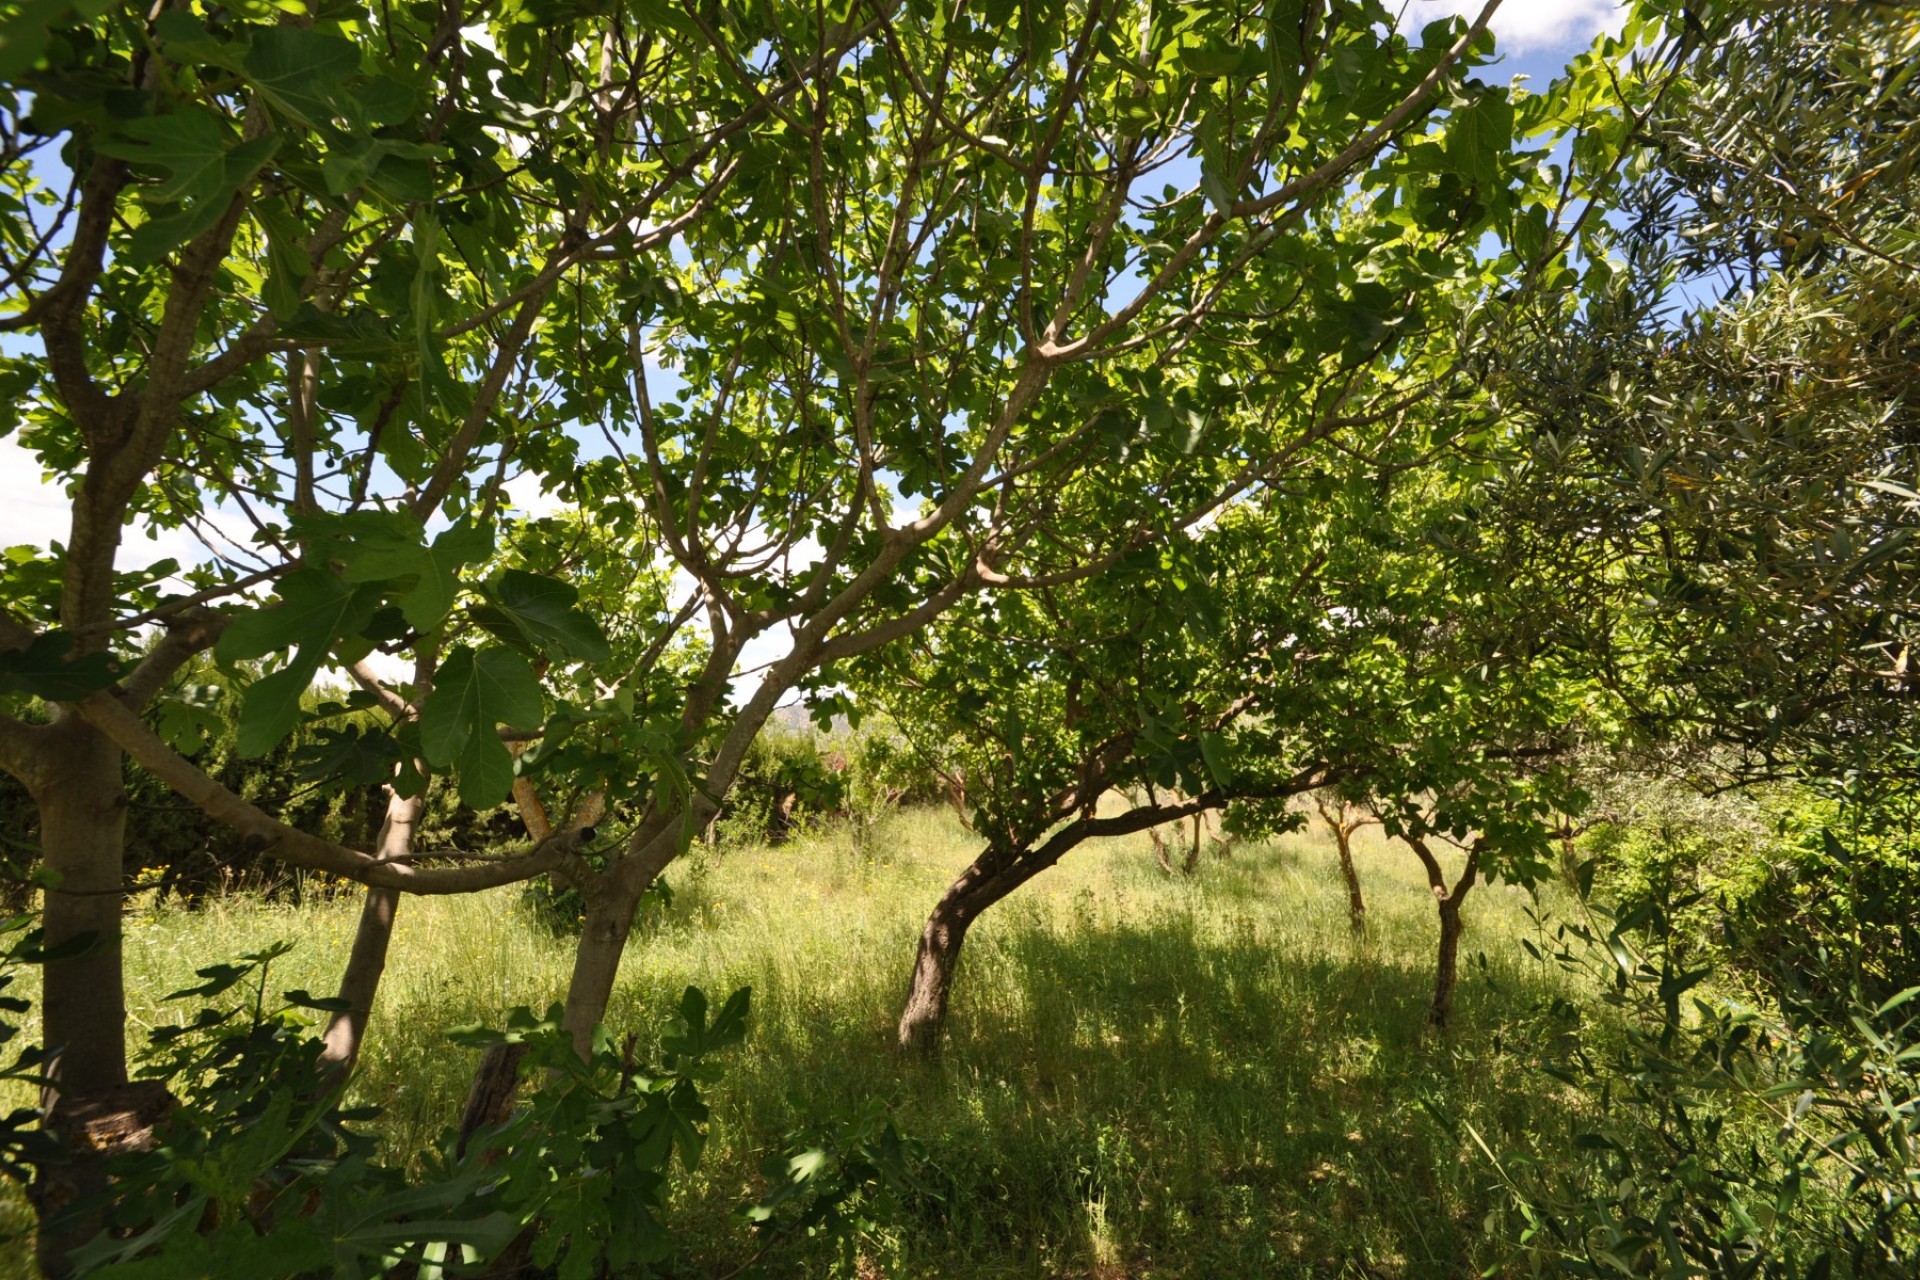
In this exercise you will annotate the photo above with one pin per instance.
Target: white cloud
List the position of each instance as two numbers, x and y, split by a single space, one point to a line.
32 511
36 512
1528 26
525 493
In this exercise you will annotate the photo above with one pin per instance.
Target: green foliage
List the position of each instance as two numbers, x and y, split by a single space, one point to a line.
788 777
257 1170
851 1184
475 695
1212 1059
22 1142
538 616
1714 1135
44 669
326 778
1723 451
589 1159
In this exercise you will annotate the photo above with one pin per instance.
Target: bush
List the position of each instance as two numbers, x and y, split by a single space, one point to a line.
1745 1109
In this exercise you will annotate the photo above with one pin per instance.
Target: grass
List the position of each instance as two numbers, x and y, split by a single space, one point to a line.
1144 1077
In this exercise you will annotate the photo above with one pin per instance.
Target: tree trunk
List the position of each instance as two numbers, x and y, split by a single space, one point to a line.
985 882
83 816
1193 851
596 961
491 1096
1446 971
933 965
1356 904
83 1014
368 959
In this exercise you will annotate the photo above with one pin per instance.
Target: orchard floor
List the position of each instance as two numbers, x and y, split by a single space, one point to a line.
1144 1076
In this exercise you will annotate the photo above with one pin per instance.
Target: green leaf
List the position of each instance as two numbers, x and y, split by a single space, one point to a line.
316 610
24 35
1222 58
1213 750
389 547
43 670
304 73
537 615
271 709
288 267
301 998
190 145
473 695
314 606
205 167
1478 135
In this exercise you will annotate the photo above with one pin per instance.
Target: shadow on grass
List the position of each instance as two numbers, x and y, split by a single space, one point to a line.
1173 1096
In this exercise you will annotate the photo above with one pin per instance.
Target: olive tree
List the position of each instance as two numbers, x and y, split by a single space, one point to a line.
1724 464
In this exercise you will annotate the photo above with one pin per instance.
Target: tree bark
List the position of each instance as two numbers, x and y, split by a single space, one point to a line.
83 1013
1356 903
1446 970
1343 817
83 817
491 1096
989 878
986 881
1448 900
368 959
596 961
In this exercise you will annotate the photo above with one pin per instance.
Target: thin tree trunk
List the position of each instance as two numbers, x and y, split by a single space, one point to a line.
1193 852
991 877
1446 971
1447 900
596 963
490 1098
368 960
1343 817
496 1081
1160 849
1356 903
90 1108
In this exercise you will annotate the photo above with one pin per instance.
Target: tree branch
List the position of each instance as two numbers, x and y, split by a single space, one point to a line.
288 844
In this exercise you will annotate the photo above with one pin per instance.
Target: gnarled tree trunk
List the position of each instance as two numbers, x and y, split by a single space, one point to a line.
1343 818
986 880
1159 843
1356 902
1447 899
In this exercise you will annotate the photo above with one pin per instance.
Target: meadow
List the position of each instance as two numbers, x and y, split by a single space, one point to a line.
1144 1077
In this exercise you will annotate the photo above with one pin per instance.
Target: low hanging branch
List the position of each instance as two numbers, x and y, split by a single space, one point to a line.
559 852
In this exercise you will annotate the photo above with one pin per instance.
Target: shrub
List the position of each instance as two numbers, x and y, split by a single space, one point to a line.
1767 1126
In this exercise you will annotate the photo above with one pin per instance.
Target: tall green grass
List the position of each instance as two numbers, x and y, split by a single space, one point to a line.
1144 1076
